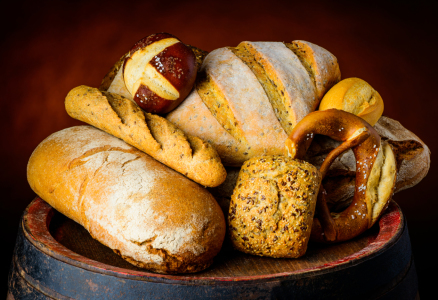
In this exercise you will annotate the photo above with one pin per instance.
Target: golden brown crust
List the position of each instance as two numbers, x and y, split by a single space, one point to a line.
321 65
150 133
200 55
252 98
272 206
149 214
375 171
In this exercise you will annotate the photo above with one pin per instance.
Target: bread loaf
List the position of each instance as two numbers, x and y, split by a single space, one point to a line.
248 98
150 133
152 216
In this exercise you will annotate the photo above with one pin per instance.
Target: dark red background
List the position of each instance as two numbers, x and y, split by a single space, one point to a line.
48 48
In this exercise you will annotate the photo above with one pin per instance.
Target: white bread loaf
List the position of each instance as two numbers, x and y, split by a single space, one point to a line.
248 98
152 216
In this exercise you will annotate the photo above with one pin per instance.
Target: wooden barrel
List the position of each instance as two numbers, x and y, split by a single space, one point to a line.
55 258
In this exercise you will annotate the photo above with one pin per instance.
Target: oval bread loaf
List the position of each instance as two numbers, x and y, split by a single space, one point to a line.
248 98
152 216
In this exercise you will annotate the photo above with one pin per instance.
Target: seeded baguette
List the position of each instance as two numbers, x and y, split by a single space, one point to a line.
252 96
150 133
150 215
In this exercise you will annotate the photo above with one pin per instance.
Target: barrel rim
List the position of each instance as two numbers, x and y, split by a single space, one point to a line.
37 216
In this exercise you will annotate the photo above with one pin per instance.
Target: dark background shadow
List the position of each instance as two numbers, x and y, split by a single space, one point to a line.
50 47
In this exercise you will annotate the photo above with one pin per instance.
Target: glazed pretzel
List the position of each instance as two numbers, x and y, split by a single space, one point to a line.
375 172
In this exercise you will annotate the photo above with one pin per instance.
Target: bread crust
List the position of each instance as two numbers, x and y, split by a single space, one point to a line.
248 115
322 66
150 133
246 100
149 214
272 206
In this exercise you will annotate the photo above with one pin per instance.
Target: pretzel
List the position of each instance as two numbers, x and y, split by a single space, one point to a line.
375 172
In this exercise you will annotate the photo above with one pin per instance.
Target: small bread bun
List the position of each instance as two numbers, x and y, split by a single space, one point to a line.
356 96
272 206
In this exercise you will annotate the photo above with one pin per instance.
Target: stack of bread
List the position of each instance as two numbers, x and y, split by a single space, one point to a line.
172 127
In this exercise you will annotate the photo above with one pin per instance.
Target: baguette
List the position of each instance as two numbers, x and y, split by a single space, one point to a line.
150 133
152 216
248 98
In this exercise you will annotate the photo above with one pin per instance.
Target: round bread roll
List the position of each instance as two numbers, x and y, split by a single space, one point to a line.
272 207
152 216
159 72
355 96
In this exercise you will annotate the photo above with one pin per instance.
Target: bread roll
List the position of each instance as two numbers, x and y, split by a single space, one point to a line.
248 98
152 216
356 96
272 206
113 81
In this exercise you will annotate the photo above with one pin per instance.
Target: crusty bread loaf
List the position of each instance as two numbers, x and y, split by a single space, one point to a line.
248 98
412 156
152 216
150 133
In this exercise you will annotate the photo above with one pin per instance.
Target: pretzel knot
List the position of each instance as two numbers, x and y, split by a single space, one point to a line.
375 172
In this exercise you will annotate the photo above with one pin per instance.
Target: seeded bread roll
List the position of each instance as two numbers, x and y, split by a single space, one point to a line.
272 206
152 216
248 98
150 133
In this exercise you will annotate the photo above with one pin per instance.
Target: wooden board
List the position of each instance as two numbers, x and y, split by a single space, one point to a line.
57 256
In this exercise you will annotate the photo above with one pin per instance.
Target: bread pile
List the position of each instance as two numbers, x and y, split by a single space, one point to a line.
136 178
